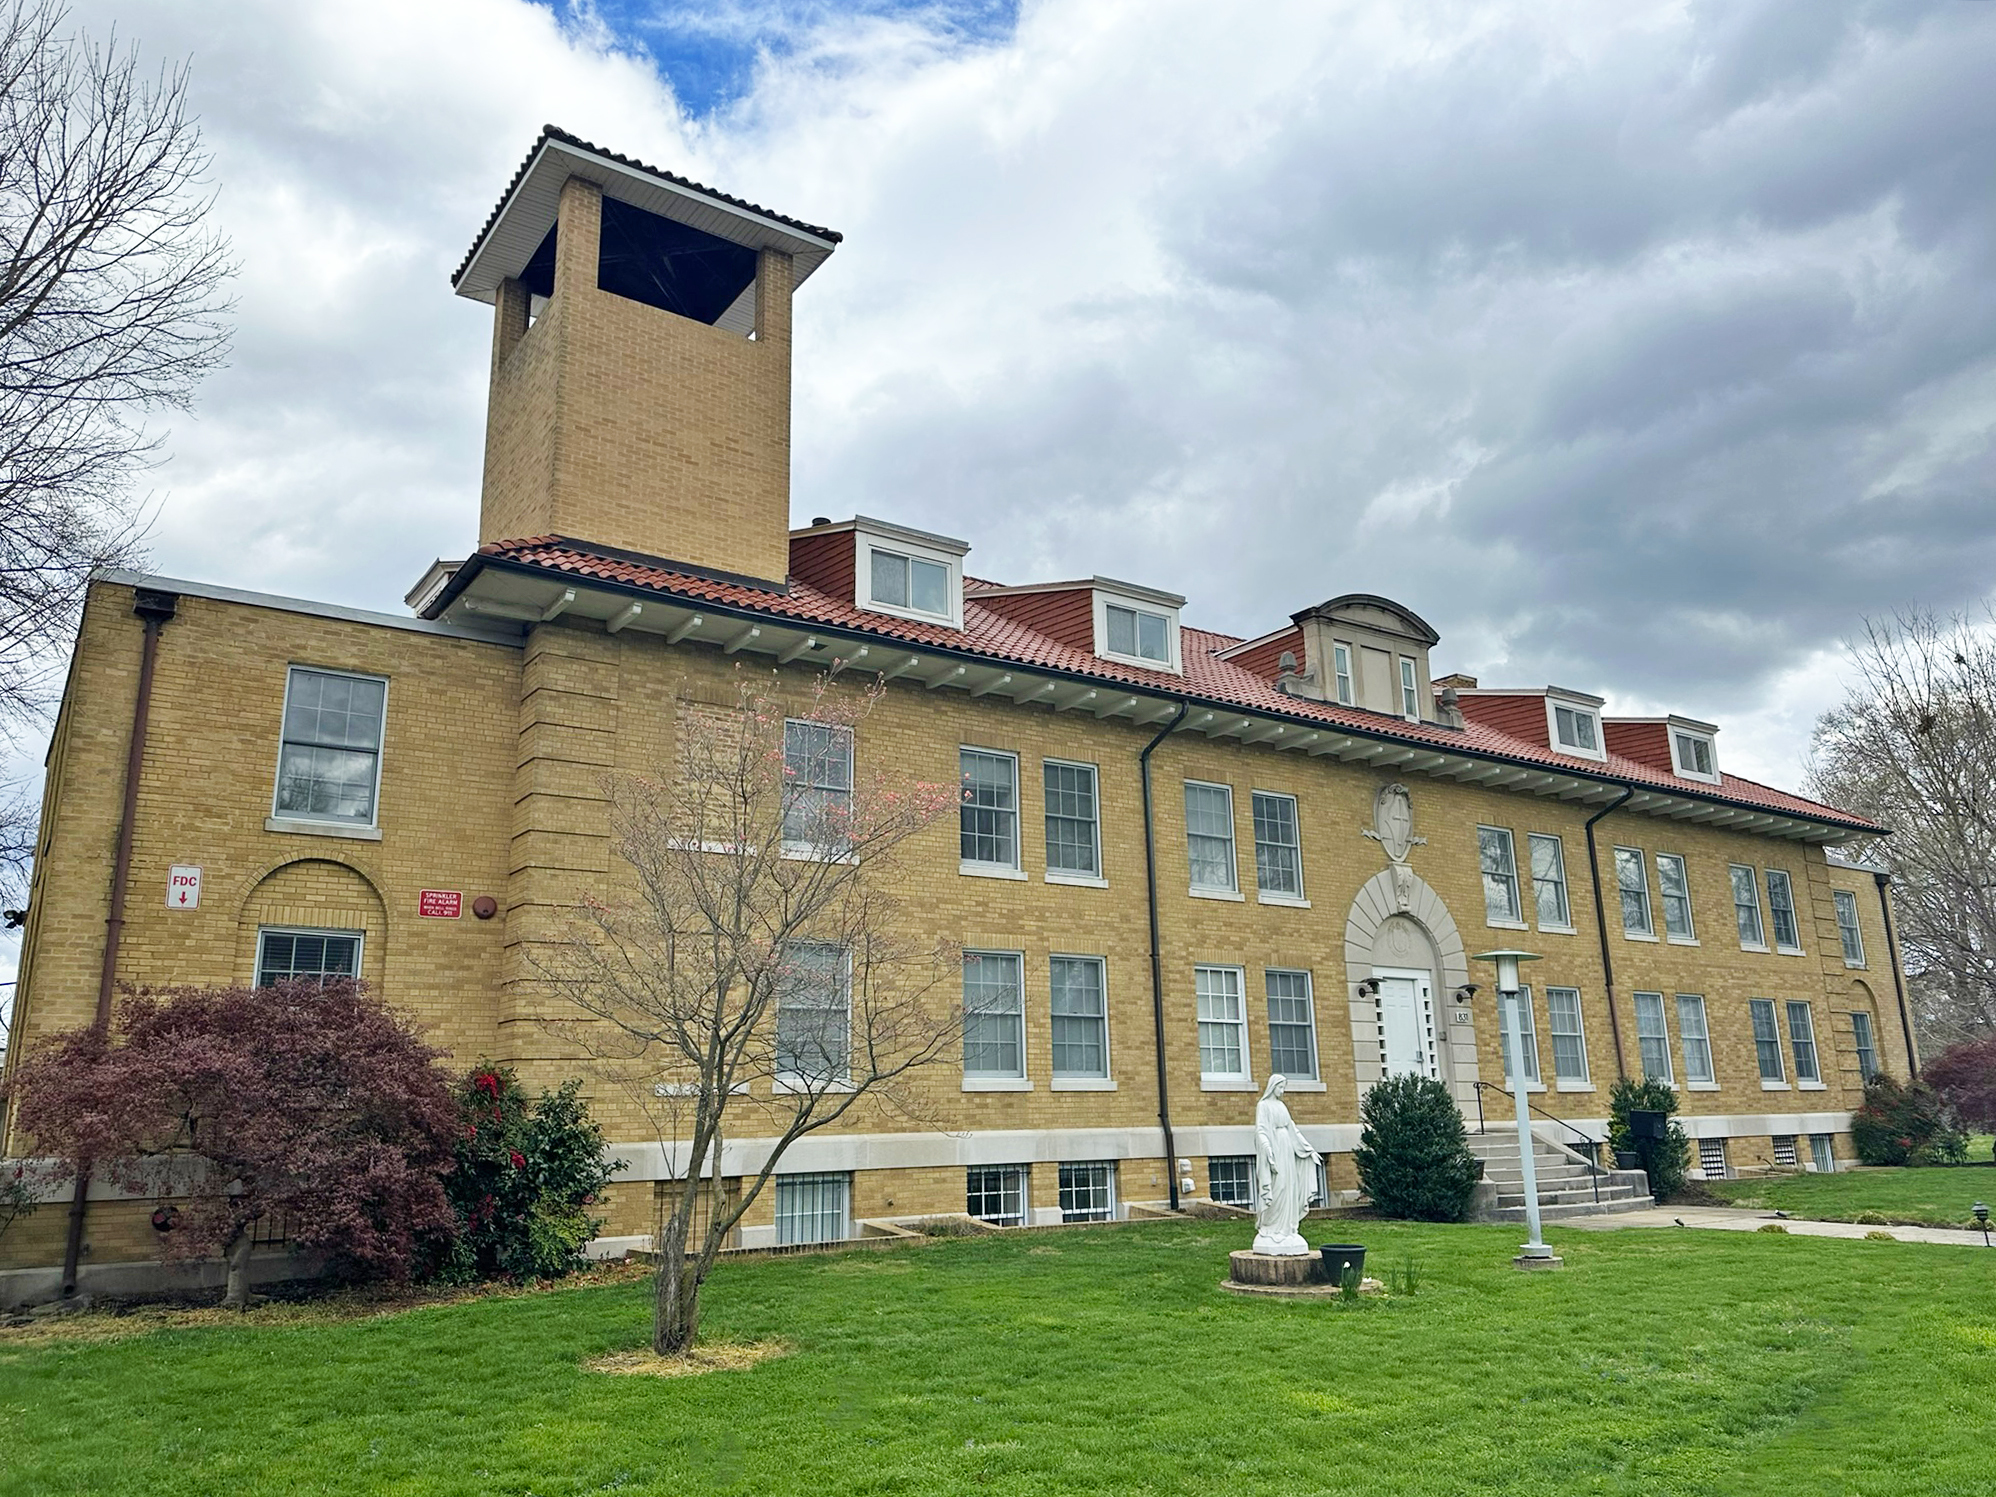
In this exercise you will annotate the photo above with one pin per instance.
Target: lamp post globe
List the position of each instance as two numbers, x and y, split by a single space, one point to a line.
1510 1008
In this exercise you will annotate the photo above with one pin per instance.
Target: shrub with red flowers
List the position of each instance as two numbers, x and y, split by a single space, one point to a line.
527 1172
1905 1125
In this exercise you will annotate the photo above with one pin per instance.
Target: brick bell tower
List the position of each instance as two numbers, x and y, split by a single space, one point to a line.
640 394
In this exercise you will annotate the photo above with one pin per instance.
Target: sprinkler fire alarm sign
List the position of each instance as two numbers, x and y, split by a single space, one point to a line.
440 904
183 888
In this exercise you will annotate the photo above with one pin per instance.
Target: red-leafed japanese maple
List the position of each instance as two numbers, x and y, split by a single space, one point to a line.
318 1102
1965 1076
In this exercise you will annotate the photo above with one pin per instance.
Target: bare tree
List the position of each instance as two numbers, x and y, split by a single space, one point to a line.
1914 747
754 976
111 306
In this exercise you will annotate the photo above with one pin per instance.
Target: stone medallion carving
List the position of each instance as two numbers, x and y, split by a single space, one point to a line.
1393 829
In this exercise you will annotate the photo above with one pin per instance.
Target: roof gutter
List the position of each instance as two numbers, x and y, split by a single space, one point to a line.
1156 953
477 563
1601 925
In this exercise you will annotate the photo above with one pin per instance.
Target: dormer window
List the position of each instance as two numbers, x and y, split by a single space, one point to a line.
1341 658
1693 754
910 583
1575 726
1138 633
1136 625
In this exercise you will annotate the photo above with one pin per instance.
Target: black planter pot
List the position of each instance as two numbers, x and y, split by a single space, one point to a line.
1628 1159
1338 1256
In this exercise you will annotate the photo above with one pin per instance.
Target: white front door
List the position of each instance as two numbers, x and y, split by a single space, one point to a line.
1406 1023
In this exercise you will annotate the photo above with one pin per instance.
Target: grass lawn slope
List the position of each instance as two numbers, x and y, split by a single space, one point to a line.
1101 1360
1922 1196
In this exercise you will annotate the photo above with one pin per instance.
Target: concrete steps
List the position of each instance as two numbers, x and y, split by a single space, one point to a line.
1568 1185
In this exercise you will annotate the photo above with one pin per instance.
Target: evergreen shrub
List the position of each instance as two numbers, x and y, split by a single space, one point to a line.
1413 1152
1665 1162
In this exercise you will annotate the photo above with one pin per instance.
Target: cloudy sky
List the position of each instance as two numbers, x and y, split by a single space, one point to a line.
1641 347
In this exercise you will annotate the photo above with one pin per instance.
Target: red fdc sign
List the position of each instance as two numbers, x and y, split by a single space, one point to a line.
440 904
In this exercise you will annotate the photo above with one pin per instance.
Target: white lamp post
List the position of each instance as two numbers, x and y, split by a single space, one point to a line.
1510 1017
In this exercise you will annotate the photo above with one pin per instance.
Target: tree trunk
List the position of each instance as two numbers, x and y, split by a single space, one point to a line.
237 1295
675 1293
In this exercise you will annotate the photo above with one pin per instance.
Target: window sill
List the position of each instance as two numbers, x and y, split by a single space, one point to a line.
1744 946
1082 1084
1682 940
804 852
322 828
1227 1084
1289 901
1639 935
1850 966
1773 1086
1298 1084
1575 1086
997 1083
989 870
1789 951
1233 895
1505 924
1142 662
1077 880
1812 1086
1558 930
1531 1088
1701 1086
798 1086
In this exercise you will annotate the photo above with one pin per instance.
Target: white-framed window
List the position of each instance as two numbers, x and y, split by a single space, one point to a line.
329 756
1712 1159
293 955
1292 1025
1802 1044
1223 1046
1410 693
1784 1150
1632 882
1693 755
1767 1042
988 822
1781 911
903 583
1695 1038
1867 1046
994 1016
1209 837
817 788
1278 846
1499 861
1088 1191
1074 820
1576 729
1549 881
1674 884
1080 1010
1230 1179
1528 1036
1137 630
814 1013
1569 1040
1823 1153
996 1193
1652 1037
813 1208
1341 669
1746 907
1848 930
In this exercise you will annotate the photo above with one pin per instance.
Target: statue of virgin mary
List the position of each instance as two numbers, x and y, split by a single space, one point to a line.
1285 1175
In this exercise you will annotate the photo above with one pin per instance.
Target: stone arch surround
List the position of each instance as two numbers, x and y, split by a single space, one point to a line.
314 891
1378 901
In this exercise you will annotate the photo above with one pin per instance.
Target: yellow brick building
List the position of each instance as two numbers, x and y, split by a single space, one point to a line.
1334 829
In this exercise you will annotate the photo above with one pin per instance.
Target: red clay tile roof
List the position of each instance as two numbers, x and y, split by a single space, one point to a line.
1208 681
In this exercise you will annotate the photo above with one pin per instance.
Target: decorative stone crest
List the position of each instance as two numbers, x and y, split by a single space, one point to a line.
1393 829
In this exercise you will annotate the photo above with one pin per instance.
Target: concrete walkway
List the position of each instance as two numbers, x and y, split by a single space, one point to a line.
1725 1219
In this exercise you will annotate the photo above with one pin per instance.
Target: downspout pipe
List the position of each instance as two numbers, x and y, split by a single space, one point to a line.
1884 882
1157 954
154 608
1601 924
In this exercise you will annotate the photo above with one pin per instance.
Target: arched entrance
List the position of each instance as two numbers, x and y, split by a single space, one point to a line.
1405 960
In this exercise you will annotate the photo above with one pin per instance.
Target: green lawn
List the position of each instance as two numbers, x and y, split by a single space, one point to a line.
1929 1196
1099 1360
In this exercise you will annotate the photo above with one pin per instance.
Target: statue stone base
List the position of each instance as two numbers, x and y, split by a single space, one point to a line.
1281 1245
1284 1270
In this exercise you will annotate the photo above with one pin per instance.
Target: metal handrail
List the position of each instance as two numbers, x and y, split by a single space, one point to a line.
1594 1170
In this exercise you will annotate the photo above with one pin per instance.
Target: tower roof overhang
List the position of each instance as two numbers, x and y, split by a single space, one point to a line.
529 207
